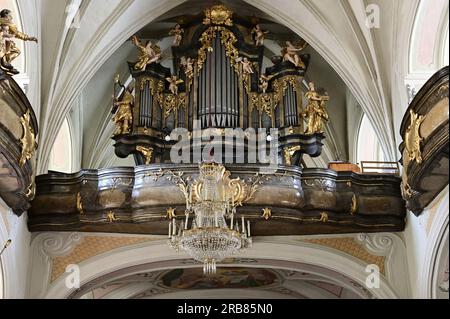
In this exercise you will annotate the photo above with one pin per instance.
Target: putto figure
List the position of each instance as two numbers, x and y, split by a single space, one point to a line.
177 32
259 34
123 110
188 65
290 53
8 49
148 54
174 82
315 111
264 82
246 66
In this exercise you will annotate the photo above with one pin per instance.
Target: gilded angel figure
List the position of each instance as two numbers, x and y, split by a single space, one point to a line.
290 53
148 54
123 112
246 65
315 111
260 35
188 65
173 84
8 49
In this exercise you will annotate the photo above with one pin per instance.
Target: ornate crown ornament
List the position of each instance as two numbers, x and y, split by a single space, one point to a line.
219 15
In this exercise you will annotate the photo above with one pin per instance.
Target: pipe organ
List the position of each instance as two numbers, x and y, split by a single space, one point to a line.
217 82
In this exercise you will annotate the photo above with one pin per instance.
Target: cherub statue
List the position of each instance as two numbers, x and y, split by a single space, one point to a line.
174 82
188 65
177 32
148 54
290 53
8 49
123 112
315 111
259 35
246 65
264 82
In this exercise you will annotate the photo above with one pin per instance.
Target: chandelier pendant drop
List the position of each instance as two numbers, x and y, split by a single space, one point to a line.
214 232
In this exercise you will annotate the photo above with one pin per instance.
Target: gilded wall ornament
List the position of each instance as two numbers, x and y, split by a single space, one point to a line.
219 15
28 139
147 152
413 138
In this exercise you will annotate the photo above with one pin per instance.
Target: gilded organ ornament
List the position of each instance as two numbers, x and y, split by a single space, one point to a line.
174 81
177 32
148 54
413 138
219 15
147 152
264 82
315 111
28 139
259 35
289 152
290 53
8 48
123 112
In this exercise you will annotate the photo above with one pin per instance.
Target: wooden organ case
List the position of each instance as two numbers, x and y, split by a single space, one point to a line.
220 84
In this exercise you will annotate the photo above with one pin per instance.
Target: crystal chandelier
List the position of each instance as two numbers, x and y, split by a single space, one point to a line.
214 234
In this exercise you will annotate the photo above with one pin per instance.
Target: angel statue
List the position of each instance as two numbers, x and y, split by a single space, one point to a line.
290 53
188 65
260 35
177 32
174 82
123 112
8 49
264 82
148 54
315 111
246 66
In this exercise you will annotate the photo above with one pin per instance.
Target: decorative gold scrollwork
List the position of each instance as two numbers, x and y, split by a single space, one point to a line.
170 213
413 138
289 152
147 152
111 217
31 191
228 39
353 205
80 207
173 103
28 140
267 213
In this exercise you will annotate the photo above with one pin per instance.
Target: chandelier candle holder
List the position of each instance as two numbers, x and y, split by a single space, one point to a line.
214 232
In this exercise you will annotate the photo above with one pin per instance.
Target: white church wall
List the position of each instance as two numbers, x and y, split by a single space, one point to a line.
424 236
14 261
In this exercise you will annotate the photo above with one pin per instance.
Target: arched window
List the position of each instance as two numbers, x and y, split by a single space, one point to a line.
368 147
61 155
